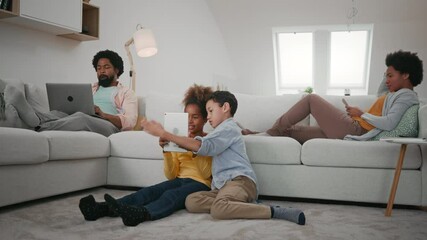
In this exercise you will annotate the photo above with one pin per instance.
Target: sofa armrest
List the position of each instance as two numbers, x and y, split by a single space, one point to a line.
422 121
422 133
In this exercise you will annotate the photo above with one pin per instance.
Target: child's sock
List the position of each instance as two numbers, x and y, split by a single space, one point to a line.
17 99
131 216
92 210
291 214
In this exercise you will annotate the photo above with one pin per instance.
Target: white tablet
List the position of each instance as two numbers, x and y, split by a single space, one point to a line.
176 123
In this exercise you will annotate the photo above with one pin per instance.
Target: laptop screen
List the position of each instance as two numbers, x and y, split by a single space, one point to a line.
70 97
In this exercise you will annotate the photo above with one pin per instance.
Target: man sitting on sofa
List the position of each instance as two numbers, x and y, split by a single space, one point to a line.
115 104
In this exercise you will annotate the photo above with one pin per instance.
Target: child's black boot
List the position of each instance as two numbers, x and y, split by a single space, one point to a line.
93 210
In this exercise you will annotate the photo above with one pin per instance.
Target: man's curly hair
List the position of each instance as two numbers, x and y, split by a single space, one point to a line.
199 95
114 58
406 62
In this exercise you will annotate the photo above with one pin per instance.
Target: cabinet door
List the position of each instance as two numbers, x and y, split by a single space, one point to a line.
63 13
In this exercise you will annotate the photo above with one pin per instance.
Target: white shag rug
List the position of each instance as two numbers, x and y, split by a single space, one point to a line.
60 218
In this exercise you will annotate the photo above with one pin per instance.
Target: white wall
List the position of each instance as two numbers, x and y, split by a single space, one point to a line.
207 41
191 48
246 26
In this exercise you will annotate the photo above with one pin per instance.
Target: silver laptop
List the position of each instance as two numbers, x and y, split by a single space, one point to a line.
176 123
70 97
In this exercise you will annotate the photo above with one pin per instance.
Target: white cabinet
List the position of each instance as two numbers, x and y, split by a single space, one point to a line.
90 25
62 13
54 16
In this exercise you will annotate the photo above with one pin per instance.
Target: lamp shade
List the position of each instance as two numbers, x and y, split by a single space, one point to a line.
144 41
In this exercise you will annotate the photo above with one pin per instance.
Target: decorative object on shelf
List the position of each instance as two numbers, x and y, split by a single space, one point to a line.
145 46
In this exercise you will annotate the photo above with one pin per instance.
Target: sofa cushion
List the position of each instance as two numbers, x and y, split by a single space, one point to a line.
22 146
135 144
358 154
76 145
273 150
407 127
258 113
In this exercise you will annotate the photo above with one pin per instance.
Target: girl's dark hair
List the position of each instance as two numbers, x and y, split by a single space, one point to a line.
199 95
406 62
114 58
222 97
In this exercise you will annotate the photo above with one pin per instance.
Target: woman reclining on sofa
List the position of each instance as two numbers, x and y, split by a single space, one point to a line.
404 72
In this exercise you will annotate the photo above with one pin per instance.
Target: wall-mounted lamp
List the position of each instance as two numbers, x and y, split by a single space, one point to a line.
145 46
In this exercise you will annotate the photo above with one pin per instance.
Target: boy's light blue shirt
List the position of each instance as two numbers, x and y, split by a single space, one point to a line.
225 144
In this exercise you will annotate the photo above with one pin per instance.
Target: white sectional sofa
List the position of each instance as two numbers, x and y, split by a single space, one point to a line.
319 169
35 165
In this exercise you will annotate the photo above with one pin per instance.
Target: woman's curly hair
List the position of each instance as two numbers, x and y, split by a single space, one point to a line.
406 62
199 95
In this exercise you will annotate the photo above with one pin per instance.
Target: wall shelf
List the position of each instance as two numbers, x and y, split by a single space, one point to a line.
90 24
14 11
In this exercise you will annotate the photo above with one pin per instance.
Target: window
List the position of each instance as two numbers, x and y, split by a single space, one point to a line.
328 58
296 63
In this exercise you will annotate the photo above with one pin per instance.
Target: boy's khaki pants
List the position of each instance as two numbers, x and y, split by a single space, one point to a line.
234 200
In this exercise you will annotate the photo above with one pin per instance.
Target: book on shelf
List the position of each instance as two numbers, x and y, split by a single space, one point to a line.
6 4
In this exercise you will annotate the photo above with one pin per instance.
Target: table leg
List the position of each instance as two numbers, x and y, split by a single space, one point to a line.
395 180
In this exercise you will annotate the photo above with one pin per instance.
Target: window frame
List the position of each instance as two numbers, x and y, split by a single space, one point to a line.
322 58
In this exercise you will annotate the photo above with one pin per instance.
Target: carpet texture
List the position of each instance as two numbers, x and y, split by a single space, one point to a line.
60 218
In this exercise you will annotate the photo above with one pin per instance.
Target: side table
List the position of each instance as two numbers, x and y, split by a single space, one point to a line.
403 141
